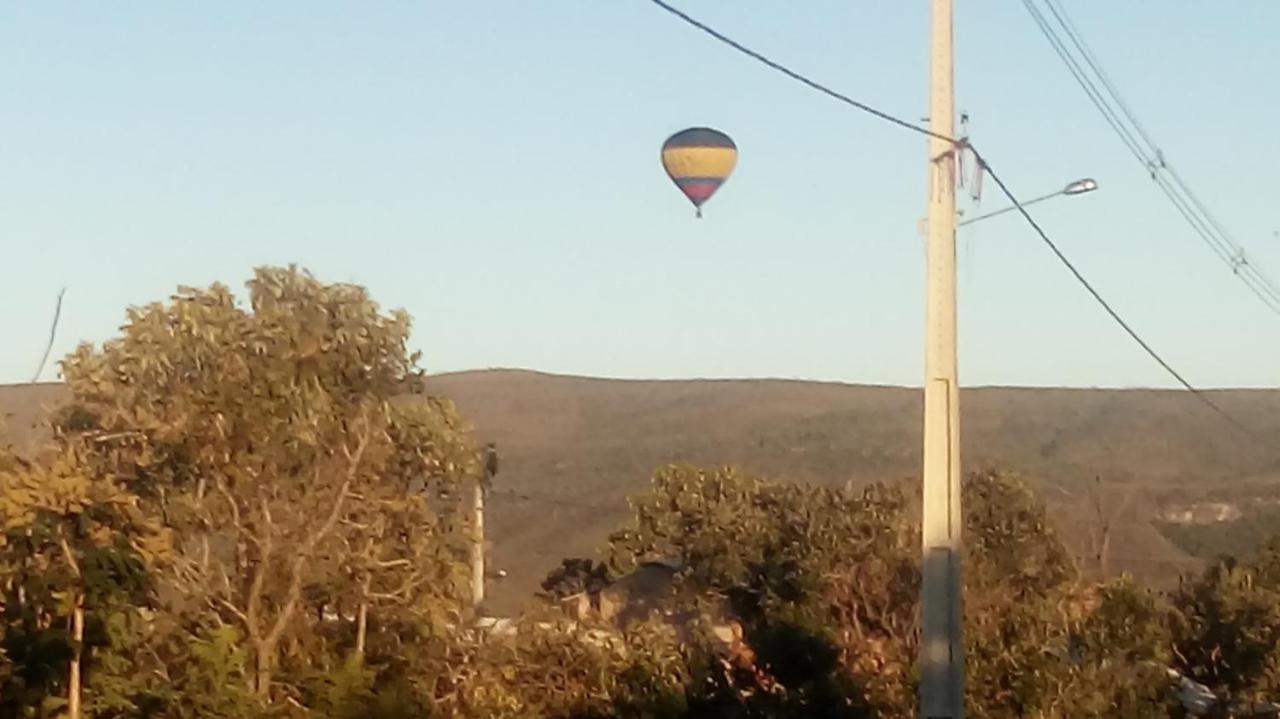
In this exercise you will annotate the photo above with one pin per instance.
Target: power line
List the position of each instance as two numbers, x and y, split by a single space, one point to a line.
1097 296
1118 114
1077 39
1149 155
1145 150
1253 279
1086 84
797 76
1103 302
1151 158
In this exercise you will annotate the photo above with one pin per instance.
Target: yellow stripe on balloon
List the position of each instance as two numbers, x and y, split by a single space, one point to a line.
699 161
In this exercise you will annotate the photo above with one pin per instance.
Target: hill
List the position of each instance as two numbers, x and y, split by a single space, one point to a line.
574 448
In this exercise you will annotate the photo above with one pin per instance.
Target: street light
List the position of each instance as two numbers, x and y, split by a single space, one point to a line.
1079 187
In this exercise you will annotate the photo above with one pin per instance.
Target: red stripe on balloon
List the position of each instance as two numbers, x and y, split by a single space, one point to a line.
700 189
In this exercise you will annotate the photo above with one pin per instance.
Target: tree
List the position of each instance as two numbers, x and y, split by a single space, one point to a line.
291 448
556 669
1119 651
826 583
73 544
816 576
1018 580
1105 515
1226 628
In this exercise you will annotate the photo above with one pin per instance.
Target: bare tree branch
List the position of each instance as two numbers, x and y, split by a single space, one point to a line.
231 608
401 593
53 333
69 555
265 546
309 545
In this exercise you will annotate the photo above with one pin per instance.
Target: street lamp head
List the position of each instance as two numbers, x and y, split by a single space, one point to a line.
1079 187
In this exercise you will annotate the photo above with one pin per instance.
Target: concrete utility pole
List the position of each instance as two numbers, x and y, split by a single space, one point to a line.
482 484
477 543
941 640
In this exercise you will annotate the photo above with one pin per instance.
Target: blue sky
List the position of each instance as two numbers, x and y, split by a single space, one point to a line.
492 167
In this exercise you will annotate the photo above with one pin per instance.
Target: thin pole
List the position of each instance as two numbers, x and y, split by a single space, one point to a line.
73 674
477 542
941 645
1011 208
488 470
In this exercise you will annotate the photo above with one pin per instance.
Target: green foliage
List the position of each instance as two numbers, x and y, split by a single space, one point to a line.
290 448
557 669
200 673
1019 581
1009 540
306 481
1121 653
826 583
342 691
575 576
71 542
1226 626
794 562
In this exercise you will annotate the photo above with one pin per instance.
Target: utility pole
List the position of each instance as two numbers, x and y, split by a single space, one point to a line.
941 640
477 542
481 485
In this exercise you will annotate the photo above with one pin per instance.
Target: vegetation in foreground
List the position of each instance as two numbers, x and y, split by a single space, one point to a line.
255 511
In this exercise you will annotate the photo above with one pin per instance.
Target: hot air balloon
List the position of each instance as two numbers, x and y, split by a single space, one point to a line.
699 160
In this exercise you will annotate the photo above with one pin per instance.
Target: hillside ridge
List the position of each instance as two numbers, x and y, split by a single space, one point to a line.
574 448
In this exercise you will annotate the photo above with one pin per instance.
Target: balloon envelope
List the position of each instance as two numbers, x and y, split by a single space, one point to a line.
699 160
